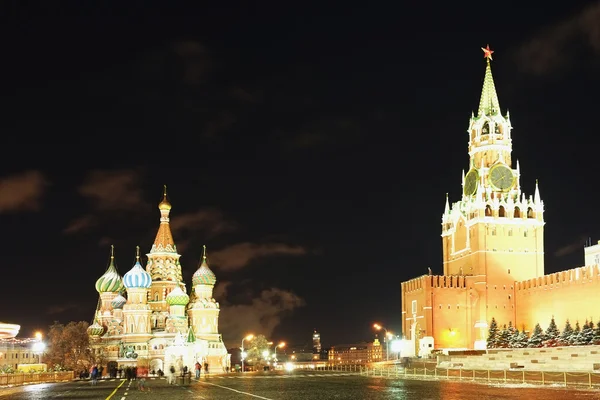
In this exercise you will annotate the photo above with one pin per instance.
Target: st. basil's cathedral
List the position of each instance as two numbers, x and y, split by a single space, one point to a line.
148 315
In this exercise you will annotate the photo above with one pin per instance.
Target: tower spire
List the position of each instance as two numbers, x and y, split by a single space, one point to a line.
488 104
536 197
203 252
112 251
447 206
164 238
137 253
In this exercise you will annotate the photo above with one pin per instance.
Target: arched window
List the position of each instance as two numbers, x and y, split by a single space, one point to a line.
501 212
530 213
485 129
517 212
155 296
488 211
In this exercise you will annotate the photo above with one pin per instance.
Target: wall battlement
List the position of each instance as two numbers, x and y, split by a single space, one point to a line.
435 282
569 277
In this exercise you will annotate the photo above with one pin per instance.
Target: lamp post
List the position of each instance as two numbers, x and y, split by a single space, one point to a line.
386 338
249 337
39 346
281 346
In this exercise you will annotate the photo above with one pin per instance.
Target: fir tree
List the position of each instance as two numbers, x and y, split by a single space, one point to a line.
587 334
574 338
492 338
596 339
537 338
566 334
552 334
522 340
503 337
513 333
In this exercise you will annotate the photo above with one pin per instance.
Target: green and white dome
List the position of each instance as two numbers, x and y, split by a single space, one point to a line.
95 329
177 297
111 281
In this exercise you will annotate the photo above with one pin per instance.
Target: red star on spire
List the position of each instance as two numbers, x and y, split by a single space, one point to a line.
487 53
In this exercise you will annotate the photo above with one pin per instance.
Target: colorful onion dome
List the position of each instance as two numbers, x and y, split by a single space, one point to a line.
137 277
203 275
177 297
95 329
111 281
164 204
118 302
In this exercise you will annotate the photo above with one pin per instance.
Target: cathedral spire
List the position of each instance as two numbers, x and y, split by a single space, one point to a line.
164 238
488 105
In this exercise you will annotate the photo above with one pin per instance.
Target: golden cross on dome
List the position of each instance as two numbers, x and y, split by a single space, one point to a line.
487 52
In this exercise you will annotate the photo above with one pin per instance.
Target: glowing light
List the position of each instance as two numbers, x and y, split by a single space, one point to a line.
289 366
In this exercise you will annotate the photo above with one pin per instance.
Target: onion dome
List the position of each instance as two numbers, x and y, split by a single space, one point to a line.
95 329
111 281
164 204
203 275
137 277
118 302
177 297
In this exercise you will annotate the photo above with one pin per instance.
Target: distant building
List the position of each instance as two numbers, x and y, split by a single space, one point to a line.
356 353
316 338
15 352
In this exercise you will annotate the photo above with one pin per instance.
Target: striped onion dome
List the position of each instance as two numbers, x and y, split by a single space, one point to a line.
111 281
95 329
177 297
203 275
118 302
137 277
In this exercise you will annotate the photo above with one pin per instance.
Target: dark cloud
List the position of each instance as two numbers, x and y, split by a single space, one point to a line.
559 46
260 315
22 192
576 246
239 255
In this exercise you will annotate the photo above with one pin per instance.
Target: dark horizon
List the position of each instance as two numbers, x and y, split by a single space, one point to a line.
310 149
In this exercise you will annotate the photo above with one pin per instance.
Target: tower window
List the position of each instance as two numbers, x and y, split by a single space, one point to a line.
501 212
525 233
488 211
517 212
530 213
510 232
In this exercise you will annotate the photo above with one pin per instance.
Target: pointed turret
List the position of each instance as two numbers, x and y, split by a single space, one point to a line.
163 243
447 206
191 337
488 104
537 200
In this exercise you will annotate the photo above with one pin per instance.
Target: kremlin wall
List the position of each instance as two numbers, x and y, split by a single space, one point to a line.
493 252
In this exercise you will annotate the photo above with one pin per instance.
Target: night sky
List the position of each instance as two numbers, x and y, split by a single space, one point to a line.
310 148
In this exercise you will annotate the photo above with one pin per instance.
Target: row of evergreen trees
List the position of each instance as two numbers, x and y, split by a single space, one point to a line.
511 337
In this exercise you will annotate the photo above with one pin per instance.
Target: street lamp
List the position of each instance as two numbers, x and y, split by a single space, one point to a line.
39 346
386 338
249 337
281 346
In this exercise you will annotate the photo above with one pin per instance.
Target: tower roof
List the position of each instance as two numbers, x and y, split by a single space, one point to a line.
164 238
488 104
137 277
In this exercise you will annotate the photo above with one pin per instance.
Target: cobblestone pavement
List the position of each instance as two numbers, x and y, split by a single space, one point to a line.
296 385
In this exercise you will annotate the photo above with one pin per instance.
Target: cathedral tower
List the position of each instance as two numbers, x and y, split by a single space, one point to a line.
204 310
495 231
109 285
163 266
136 312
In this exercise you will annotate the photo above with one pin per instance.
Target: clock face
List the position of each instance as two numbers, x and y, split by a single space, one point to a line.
501 177
471 181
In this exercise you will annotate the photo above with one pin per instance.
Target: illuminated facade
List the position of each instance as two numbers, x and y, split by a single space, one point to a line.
493 251
147 313
18 352
358 353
